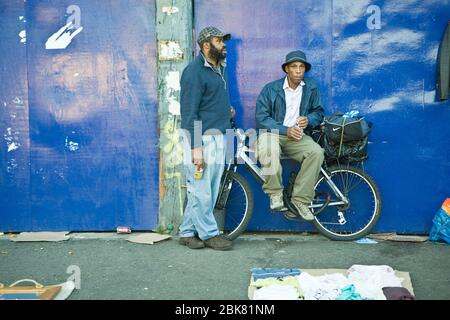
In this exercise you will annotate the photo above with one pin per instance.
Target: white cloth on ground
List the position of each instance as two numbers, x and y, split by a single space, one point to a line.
326 287
276 292
370 280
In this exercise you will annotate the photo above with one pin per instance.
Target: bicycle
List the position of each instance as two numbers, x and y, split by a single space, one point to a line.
346 206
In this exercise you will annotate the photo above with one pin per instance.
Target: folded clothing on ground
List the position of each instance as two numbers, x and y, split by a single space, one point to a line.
263 273
397 293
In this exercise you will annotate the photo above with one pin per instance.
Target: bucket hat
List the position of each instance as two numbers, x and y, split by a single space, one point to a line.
296 56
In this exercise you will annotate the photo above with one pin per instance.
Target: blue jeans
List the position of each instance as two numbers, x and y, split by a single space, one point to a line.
198 218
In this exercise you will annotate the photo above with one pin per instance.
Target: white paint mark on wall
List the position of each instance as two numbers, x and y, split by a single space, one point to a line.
382 49
170 10
11 165
170 50
12 140
412 8
21 18
71 145
346 13
17 100
23 36
13 146
432 54
63 37
76 74
385 104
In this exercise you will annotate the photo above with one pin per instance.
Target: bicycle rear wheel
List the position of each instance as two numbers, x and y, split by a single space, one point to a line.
347 221
234 207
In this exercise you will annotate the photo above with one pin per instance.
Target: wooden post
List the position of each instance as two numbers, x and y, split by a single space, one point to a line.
174 42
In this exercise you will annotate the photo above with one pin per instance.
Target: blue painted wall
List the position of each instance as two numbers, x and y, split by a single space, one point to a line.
78 126
387 71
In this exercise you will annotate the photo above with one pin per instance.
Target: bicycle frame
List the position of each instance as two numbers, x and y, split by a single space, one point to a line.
256 171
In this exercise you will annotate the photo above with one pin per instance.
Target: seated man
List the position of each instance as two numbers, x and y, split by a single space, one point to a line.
287 108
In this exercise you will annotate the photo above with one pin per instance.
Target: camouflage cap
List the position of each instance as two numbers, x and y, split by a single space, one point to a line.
209 32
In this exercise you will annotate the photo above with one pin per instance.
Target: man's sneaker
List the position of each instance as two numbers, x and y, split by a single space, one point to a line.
218 243
191 242
276 201
303 210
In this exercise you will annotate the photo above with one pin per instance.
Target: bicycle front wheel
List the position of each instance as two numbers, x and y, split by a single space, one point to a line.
238 209
354 219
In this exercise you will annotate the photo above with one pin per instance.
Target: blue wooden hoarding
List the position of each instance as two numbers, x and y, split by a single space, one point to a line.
377 57
78 115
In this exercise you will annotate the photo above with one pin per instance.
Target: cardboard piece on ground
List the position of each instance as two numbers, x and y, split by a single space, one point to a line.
40 236
148 238
320 272
398 237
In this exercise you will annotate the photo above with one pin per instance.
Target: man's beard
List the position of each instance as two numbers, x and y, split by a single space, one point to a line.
216 54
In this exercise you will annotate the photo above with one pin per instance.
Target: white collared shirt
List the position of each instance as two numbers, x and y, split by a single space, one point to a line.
293 100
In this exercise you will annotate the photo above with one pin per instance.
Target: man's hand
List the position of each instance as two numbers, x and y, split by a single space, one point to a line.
197 157
302 122
232 111
295 133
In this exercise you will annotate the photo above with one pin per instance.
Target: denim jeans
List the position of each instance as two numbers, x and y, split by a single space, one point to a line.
198 218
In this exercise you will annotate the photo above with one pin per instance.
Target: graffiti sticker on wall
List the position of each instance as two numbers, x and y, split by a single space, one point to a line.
63 37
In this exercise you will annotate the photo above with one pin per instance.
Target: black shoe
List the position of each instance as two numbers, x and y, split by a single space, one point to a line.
191 242
218 243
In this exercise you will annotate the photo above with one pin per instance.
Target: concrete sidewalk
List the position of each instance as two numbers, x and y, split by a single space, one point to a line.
113 268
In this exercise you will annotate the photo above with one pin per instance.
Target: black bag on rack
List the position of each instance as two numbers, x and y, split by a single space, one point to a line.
345 138
353 151
339 128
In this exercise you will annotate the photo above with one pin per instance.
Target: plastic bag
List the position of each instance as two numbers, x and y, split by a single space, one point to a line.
354 151
440 231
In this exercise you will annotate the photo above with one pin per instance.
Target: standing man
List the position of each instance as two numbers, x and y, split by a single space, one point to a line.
205 116
288 108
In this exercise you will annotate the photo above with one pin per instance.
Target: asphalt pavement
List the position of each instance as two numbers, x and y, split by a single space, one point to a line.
109 267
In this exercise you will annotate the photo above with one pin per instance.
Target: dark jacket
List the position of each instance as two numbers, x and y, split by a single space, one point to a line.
204 97
443 65
271 106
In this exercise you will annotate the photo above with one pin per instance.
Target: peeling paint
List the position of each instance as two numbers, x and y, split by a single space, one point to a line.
174 107
13 146
173 80
170 10
12 141
170 50
173 89
23 36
